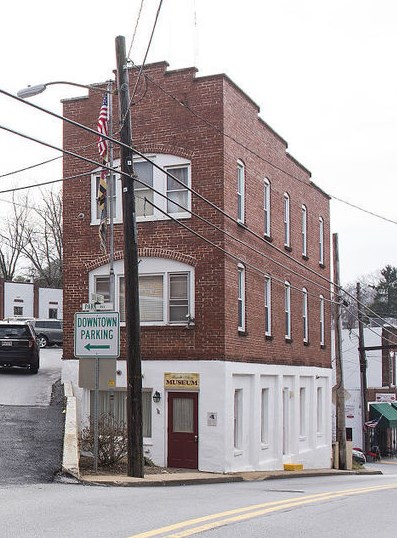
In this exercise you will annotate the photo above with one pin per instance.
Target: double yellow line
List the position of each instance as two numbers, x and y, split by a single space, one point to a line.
205 523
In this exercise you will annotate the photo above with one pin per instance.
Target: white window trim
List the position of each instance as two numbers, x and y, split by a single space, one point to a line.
304 230
150 266
267 207
322 321
166 162
287 220
321 240
287 308
268 305
240 192
241 297
305 315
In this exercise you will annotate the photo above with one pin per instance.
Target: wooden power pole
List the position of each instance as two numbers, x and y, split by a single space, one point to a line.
132 323
340 387
363 366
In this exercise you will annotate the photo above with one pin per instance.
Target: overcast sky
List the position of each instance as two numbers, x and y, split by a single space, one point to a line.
323 74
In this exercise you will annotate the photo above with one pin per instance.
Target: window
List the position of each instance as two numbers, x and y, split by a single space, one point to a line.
287 303
302 411
115 404
321 240
304 231
102 287
305 315
237 420
287 221
266 205
265 417
176 192
178 297
53 313
268 306
240 191
18 310
143 188
156 184
241 297
153 293
322 327
166 290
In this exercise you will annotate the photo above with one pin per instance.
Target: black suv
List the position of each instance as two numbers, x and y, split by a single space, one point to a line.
48 331
18 346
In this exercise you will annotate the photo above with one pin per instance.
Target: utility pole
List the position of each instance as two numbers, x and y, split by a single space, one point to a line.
340 387
363 366
131 289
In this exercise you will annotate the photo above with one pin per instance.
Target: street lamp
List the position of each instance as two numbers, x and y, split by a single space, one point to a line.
31 91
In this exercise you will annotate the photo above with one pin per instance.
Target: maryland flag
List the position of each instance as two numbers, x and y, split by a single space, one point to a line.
102 128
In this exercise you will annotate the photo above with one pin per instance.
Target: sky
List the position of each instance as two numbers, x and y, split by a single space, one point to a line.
323 74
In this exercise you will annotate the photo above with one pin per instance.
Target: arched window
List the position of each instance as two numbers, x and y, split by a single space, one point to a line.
287 220
266 207
287 308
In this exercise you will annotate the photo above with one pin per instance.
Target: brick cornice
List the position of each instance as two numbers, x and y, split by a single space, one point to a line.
142 253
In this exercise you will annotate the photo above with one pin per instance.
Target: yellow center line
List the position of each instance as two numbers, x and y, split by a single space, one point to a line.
247 512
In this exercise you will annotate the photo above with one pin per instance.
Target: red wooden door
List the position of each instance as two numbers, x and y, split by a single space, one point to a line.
183 430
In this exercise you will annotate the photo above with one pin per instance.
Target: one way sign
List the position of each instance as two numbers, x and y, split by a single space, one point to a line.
97 335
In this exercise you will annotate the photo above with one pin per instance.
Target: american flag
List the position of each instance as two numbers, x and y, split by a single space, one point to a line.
102 128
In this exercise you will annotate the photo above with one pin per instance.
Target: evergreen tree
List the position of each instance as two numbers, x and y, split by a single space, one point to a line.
385 300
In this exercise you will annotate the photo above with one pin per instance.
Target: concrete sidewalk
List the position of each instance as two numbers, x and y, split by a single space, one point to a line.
197 477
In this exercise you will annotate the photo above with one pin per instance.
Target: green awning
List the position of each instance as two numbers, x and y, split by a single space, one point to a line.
387 413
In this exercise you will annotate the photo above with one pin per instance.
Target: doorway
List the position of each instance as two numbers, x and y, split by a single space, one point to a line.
183 430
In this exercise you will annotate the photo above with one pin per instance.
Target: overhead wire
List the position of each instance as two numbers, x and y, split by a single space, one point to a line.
244 146
157 166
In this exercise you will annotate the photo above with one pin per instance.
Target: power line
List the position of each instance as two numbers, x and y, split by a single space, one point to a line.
136 27
214 206
223 133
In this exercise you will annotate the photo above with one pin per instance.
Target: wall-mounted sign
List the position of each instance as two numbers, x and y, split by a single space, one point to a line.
385 397
181 381
212 419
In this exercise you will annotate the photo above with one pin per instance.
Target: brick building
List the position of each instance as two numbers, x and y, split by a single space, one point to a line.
243 317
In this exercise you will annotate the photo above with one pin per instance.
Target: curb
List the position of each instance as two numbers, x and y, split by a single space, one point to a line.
70 459
180 480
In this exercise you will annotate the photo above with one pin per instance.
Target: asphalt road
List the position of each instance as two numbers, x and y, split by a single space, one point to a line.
339 506
31 422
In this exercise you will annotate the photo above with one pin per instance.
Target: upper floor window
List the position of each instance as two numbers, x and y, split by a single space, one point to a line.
321 240
287 220
322 321
166 290
305 315
241 297
304 231
240 191
266 205
167 188
287 308
268 306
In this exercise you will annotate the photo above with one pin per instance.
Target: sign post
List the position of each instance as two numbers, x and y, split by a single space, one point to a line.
96 336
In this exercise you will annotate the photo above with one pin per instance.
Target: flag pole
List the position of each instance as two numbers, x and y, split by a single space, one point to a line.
111 185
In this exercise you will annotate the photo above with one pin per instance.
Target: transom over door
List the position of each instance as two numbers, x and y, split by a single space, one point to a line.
183 430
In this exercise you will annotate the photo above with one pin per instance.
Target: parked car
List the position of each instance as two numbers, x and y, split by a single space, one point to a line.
18 345
359 456
48 331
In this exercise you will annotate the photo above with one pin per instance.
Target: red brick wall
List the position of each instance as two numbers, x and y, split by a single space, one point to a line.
162 125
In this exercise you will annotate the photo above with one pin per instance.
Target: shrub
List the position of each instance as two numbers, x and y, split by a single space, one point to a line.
112 440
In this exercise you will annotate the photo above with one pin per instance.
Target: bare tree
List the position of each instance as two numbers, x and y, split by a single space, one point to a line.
43 240
13 237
